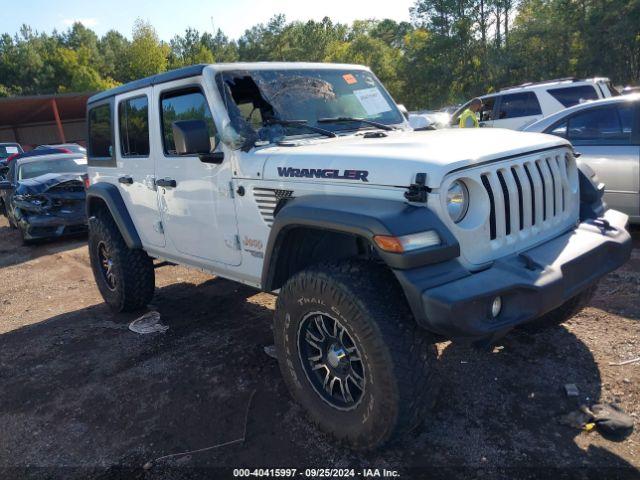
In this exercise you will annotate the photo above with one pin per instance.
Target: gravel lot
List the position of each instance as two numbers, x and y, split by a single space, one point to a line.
81 395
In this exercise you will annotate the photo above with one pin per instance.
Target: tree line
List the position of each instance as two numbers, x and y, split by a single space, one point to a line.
448 52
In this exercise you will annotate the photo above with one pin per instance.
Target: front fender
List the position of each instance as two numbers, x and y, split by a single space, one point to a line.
364 218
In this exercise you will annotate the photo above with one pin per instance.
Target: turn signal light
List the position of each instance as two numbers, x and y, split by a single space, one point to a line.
388 244
407 243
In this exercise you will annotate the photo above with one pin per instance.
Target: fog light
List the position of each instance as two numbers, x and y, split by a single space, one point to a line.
496 306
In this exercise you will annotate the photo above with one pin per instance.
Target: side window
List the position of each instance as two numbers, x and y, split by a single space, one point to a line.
188 104
133 121
601 125
570 96
100 132
519 105
486 112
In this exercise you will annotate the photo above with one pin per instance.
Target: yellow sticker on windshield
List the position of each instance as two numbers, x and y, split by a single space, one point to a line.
350 79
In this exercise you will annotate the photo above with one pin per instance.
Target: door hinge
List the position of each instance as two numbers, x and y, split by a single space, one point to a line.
232 192
157 226
232 241
417 192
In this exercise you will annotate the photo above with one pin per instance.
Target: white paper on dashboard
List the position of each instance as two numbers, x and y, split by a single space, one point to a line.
372 101
10 149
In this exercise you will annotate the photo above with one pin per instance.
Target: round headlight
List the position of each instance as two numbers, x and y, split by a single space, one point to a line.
457 201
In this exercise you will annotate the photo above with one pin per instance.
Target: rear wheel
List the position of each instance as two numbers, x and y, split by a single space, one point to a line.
125 277
351 353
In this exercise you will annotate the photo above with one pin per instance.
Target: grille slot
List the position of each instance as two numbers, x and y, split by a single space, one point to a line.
267 200
528 194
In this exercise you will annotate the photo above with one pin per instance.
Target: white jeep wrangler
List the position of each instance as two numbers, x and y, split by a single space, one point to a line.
305 180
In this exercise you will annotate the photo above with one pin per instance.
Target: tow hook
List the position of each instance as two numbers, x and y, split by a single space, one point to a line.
417 192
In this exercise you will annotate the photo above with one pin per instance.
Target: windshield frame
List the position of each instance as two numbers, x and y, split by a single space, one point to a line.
257 75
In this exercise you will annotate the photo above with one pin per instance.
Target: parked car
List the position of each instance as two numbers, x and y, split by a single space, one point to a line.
71 147
305 179
44 196
515 107
6 151
607 135
429 119
36 153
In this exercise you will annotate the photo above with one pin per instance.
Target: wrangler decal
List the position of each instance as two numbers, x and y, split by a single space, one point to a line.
323 173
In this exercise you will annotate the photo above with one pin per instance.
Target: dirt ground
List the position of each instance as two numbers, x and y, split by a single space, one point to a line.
82 396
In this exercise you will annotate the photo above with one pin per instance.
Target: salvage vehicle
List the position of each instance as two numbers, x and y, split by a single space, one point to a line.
44 196
305 180
7 150
606 133
70 147
516 107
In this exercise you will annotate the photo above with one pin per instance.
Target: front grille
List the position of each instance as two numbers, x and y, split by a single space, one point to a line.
516 203
527 194
70 186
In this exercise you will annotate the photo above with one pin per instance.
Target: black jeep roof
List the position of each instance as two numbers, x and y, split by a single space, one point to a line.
169 76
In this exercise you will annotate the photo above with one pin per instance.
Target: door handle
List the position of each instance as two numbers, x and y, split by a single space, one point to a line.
166 182
126 179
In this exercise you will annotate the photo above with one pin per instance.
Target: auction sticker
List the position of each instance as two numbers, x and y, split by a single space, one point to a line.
349 78
372 100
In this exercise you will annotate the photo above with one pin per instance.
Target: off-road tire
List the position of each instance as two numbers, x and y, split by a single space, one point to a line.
133 269
399 358
564 312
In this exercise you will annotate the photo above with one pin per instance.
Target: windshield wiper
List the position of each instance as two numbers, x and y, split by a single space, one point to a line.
354 119
300 123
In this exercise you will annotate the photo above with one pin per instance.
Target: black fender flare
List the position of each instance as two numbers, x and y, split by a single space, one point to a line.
361 217
110 195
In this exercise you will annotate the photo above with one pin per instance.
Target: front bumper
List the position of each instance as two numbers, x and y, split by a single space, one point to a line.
456 303
38 226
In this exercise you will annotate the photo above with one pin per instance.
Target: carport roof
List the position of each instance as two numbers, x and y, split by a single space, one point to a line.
16 111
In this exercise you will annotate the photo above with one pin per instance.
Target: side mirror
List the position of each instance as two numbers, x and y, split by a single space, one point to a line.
5 185
191 137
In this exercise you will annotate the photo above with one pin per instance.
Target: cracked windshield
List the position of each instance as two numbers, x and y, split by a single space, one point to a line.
269 105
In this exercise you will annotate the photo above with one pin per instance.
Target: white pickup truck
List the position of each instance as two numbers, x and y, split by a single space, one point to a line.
305 180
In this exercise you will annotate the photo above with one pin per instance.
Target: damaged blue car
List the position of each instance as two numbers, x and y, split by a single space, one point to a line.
44 196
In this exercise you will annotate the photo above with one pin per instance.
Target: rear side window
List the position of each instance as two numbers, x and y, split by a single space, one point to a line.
133 119
189 104
570 96
100 132
519 105
609 125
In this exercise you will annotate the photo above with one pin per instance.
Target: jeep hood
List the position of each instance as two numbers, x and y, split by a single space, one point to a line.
395 159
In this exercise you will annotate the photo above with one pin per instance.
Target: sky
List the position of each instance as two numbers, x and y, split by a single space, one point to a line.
171 17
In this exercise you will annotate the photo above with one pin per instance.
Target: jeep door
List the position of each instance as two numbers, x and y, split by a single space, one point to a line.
195 197
608 140
135 165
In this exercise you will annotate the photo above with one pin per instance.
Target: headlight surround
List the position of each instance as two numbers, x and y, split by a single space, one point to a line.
457 201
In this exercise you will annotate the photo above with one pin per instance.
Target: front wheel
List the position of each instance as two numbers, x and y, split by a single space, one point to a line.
351 353
125 277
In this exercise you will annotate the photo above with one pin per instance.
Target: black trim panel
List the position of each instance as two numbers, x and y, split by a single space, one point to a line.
110 195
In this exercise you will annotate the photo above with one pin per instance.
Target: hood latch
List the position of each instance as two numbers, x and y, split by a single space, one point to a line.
417 192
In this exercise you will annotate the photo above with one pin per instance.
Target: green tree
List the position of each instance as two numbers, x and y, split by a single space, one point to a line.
147 55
